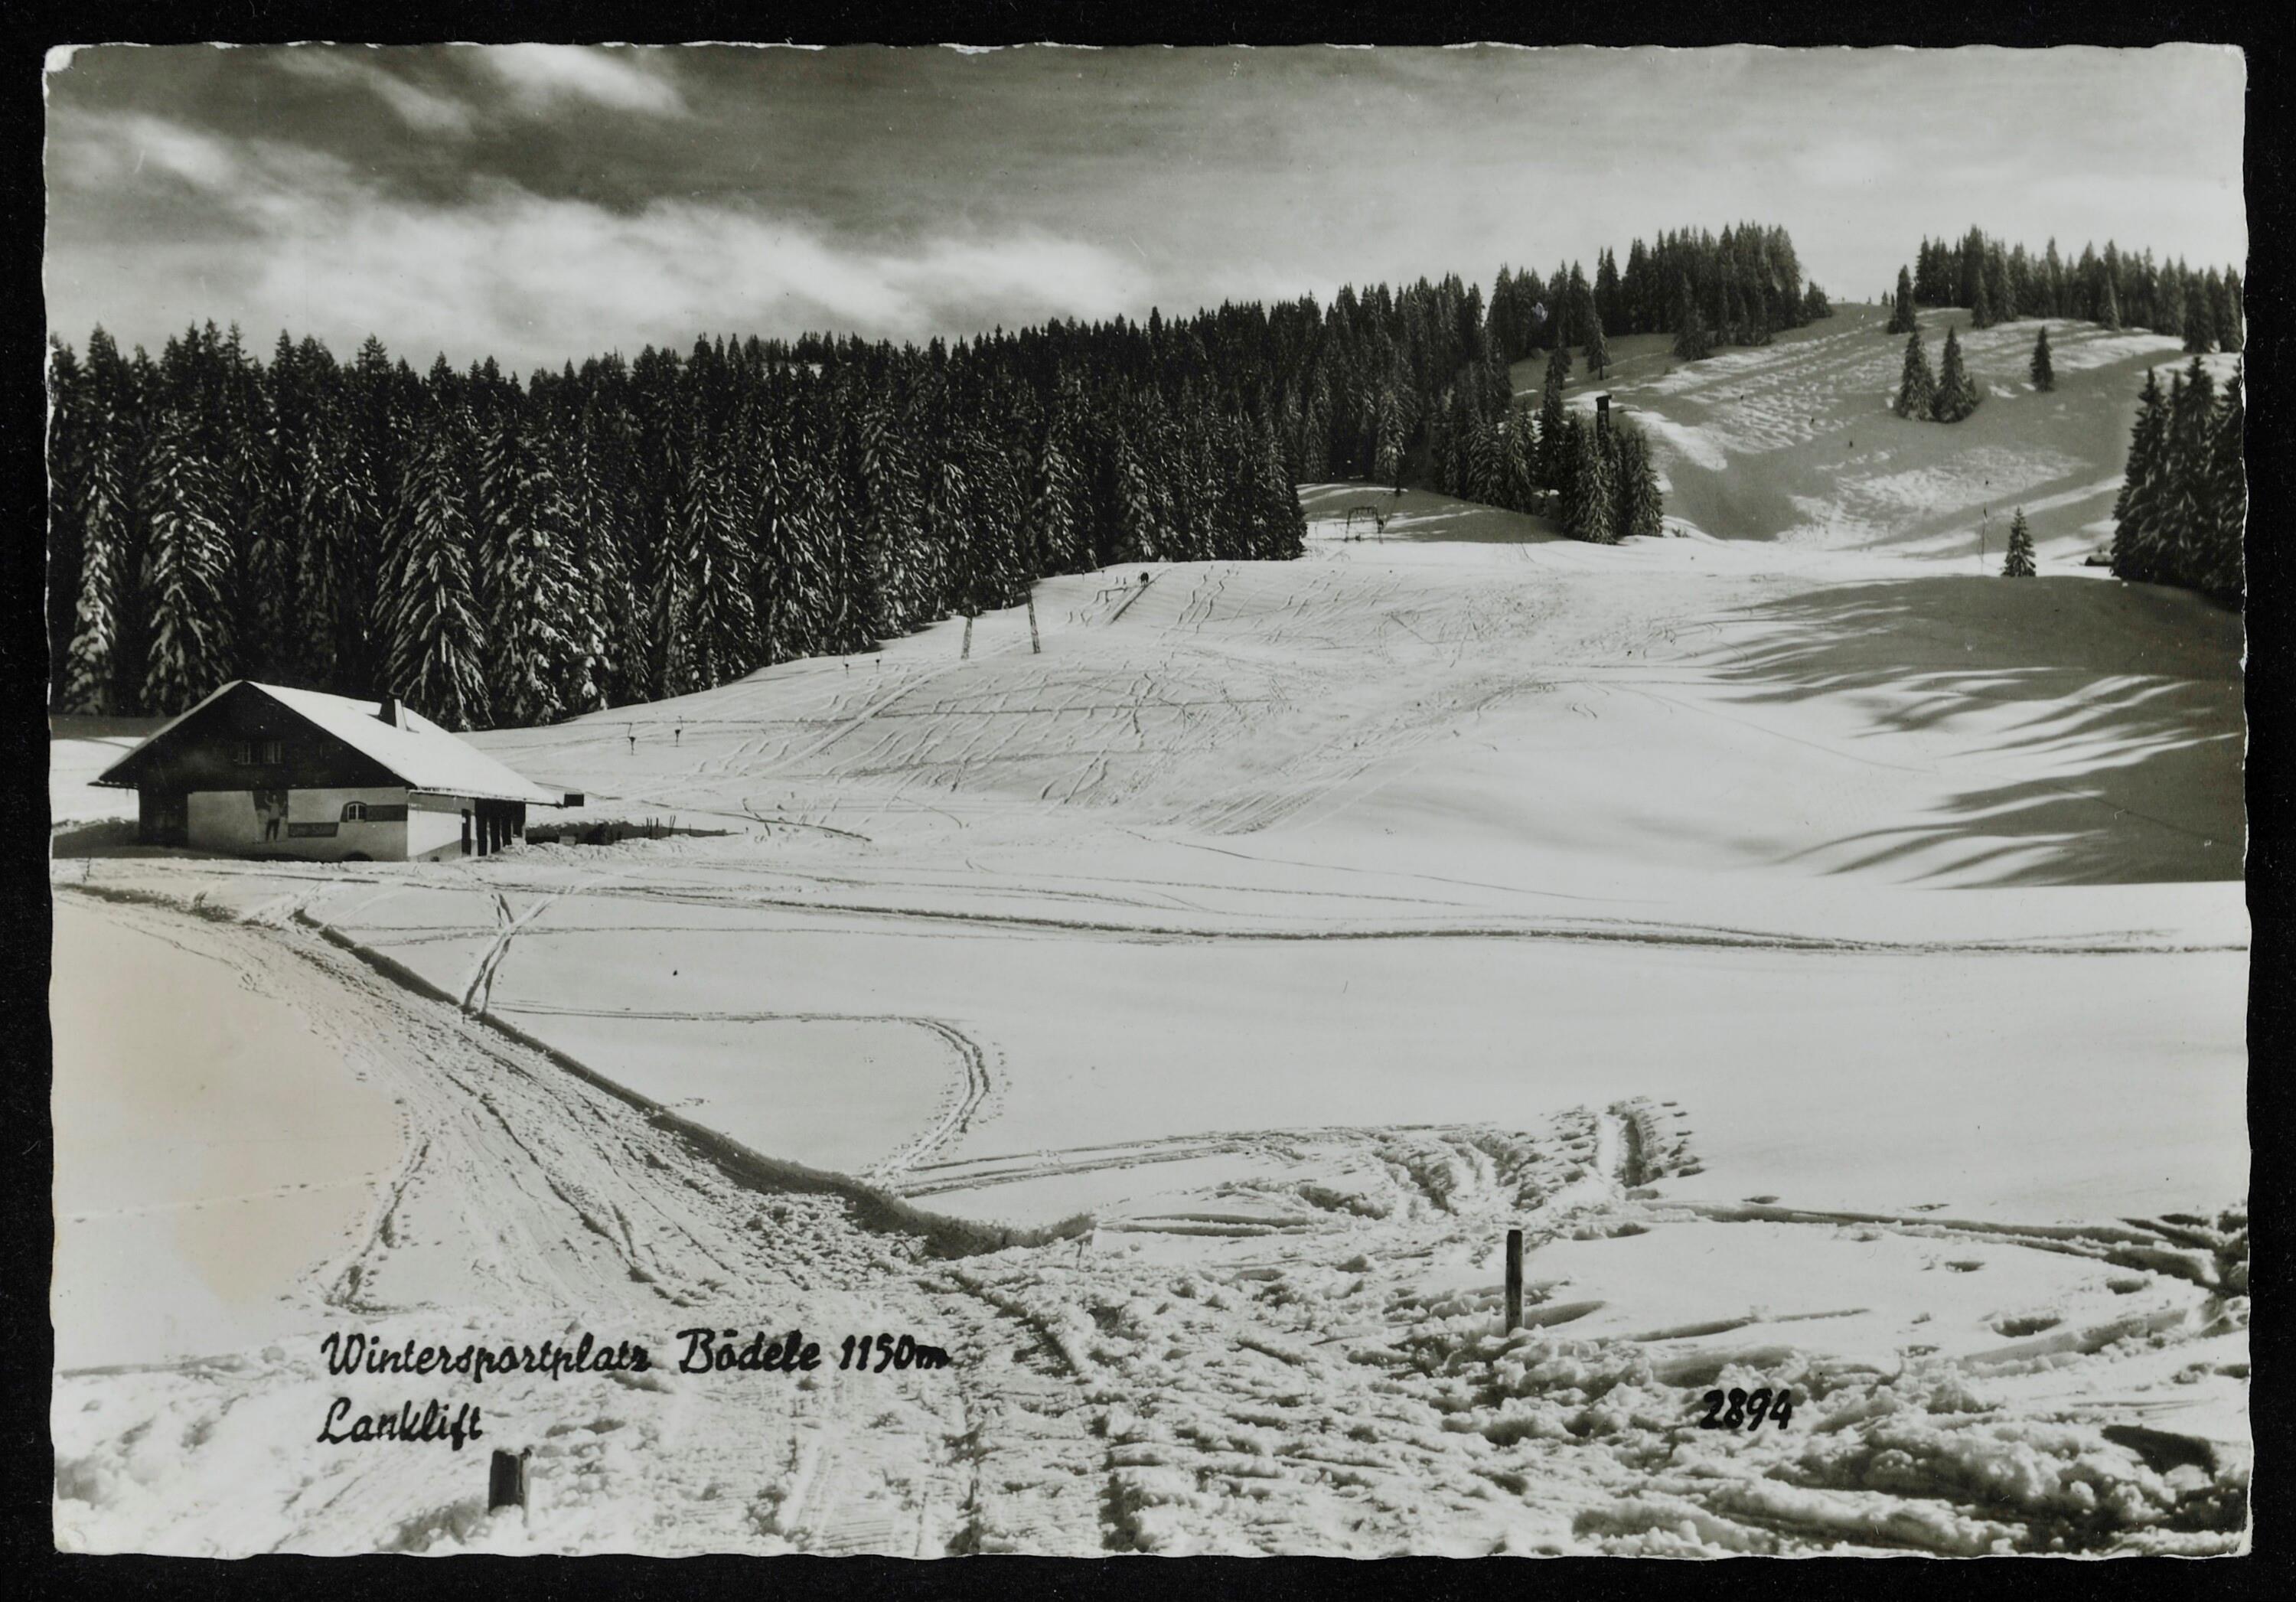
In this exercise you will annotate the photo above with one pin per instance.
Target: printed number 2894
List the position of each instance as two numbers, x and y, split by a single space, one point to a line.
1735 1409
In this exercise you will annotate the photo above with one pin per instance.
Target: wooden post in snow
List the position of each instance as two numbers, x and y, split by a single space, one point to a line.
1035 646
967 638
506 1480
1513 1281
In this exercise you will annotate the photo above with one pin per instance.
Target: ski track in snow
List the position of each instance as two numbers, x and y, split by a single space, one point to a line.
1350 1395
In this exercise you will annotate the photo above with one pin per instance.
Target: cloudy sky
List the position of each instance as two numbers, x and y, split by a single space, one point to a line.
542 203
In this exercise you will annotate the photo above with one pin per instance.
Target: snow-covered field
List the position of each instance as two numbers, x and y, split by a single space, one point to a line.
1832 959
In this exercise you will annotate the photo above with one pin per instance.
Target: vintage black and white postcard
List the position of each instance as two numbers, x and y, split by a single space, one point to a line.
1064 800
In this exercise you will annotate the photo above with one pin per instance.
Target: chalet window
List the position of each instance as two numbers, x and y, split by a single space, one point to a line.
354 811
250 753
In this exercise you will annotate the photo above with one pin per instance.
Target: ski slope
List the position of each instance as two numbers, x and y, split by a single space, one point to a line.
1795 441
1833 958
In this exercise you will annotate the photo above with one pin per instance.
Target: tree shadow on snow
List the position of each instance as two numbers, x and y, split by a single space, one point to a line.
2122 701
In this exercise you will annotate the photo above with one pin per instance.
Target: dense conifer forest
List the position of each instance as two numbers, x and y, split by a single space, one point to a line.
2119 289
1743 283
2183 505
508 553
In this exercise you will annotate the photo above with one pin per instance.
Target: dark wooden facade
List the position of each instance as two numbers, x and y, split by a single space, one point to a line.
246 741
203 753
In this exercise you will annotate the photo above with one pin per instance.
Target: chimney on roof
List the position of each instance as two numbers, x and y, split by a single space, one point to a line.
388 710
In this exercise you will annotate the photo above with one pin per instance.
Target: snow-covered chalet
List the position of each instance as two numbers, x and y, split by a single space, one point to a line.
261 771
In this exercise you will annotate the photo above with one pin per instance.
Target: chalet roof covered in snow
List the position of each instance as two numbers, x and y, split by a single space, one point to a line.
417 752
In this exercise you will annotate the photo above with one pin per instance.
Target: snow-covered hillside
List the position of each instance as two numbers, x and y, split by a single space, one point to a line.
1796 441
1832 957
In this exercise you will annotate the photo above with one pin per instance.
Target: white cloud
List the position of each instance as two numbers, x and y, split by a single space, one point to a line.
539 281
419 109
537 78
618 77
317 247
136 144
122 154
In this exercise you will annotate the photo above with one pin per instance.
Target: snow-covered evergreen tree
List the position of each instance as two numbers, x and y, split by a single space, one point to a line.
2224 300
187 574
431 619
1060 510
1957 393
893 506
711 632
1589 504
781 566
276 416
2168 303
2186 519
1579 299
541 637
1901 306
2019 563
253 509
1692 340
829 440
798 532
1969 279
606 524
1554 449
341 517
1485 467
92 668
2044 375
1446 442
1916 387
2221 571
1315 427
1608 308
1387 460
1280 524
1641 511
1519 458
987 575
2200 318
69 437
1137 525
2136 510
